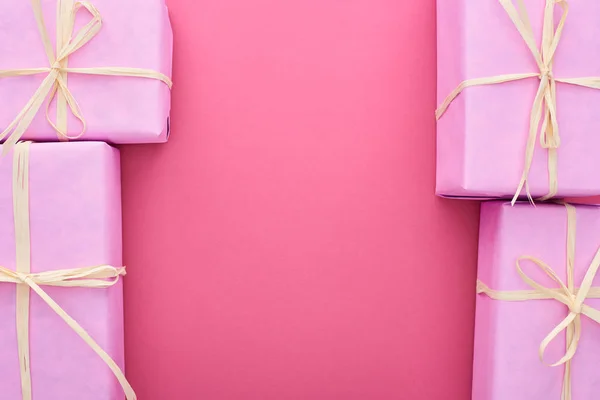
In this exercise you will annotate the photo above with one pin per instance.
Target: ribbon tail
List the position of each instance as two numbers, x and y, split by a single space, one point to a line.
566 389
552 335
23 120
552 172
129 393
534 121
573 335
64 97
591 313
550 140
522 184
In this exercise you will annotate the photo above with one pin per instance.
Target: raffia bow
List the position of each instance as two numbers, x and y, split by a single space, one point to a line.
544 103
55 82
99 277
566 294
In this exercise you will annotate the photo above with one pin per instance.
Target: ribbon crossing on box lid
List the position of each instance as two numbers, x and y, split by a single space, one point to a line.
100 277
573 298
55 85
544 104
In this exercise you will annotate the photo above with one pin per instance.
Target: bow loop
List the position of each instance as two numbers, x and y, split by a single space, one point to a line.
549 138
573 299
563 294
572 320
551 35
85 34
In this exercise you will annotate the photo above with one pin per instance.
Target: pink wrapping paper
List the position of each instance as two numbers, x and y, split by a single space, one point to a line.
135 33
75 219
508 334
483 134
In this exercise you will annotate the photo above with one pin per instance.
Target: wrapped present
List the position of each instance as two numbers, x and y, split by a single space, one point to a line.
90 70
518 98
537 324
61 304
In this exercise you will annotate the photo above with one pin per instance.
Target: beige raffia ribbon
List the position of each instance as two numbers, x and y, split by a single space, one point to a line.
567 294
102 276
544 103
55 82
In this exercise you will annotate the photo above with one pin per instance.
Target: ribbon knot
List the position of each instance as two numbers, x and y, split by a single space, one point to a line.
23 278
546 72
575 306
56 66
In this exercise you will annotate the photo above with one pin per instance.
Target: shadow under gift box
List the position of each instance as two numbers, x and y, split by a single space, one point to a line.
75 220
481 138
508 334
134 34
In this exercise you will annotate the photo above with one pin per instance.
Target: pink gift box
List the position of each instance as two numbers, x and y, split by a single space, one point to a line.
481 139
134 34
75 220
508 334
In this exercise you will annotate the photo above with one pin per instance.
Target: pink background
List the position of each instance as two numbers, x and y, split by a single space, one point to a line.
286 243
